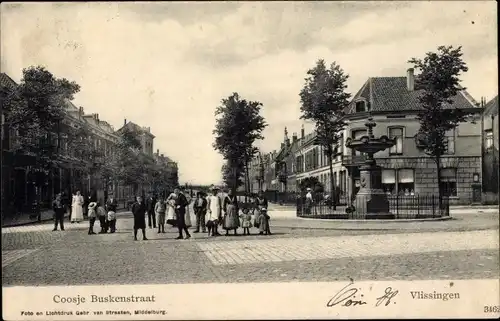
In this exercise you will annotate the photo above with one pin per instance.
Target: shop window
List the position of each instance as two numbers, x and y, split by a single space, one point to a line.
396 132
448 182
406 182
389 181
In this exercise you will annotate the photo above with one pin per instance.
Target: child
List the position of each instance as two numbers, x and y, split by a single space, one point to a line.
101 213
160 210
92 216
246 221
112 221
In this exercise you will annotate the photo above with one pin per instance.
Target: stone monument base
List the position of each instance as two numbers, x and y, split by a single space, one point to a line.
373 205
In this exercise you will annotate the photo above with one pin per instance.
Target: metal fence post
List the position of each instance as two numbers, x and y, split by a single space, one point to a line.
433 207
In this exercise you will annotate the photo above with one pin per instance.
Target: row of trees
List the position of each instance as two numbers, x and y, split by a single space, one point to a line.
35 111
324 101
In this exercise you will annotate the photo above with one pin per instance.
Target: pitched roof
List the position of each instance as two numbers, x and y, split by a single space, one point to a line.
392 94
6 81
134 127
491 108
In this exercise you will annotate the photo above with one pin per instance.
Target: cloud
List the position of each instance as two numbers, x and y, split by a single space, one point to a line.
168 65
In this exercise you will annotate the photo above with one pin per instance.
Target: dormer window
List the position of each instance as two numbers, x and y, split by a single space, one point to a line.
362 106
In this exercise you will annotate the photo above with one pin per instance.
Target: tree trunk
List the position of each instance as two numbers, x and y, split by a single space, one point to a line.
235 179
332 186
247 183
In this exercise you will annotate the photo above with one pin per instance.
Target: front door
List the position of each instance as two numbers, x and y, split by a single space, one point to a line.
476 193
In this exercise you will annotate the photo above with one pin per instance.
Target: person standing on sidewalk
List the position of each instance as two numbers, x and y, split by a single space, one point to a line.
150 204
160 210
101 214
77 209
180 210
214 212
92 216
231 218
200 210
111 207
261 217
59 210
139 211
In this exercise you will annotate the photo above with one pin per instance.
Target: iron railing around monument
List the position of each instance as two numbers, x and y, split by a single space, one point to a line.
400 207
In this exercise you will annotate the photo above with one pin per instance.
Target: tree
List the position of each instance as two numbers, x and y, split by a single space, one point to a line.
228 174
439 82
323 100
34 110
126 164
238 125
312 183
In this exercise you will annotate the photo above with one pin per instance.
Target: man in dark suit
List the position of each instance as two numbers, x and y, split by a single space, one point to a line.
200 209
150 205
139 211
180 210
59 209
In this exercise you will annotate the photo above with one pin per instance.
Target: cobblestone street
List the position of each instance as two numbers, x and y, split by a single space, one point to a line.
34 255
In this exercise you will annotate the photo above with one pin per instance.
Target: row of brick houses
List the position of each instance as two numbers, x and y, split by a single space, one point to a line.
21 183
393 104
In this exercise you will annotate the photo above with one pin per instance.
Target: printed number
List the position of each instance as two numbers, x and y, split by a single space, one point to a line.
492 309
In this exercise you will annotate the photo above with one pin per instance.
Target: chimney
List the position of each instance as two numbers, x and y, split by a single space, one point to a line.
294 137
302 132
162 155
97 116
158 152
125 122
410 79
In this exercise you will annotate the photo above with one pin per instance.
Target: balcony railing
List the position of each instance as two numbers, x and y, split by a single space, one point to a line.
353 160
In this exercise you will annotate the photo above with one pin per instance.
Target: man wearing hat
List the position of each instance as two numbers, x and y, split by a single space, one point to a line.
180 210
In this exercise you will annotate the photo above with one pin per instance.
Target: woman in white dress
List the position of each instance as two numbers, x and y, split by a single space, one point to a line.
76 208
171 218
214 212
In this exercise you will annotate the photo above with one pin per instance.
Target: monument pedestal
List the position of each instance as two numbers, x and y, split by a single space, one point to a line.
371 199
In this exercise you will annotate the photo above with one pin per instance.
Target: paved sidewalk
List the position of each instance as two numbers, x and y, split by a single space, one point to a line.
297 249
23 219
469 208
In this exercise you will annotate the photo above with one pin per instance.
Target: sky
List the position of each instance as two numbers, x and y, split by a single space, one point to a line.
168 65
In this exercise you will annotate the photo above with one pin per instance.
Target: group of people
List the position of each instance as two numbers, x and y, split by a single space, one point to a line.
106 213
211 211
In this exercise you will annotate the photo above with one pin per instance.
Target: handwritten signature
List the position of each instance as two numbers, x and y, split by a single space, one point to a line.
352 296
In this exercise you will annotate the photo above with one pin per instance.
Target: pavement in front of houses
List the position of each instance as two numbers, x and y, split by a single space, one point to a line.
34 255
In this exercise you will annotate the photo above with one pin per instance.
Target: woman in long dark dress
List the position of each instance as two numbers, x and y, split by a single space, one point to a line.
231 218
139 211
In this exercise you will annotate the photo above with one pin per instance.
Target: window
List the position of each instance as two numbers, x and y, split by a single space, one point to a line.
406 182
396 132
489 139
389 181
450 142
448 183
360 106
